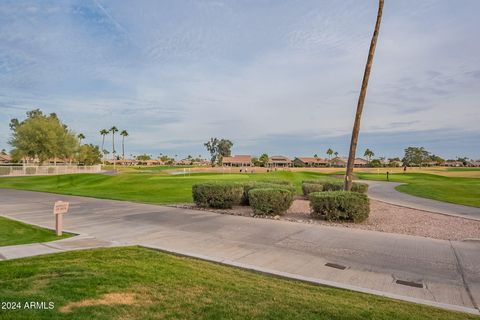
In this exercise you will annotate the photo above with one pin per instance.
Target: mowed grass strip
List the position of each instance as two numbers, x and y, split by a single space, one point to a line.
147 188
458 190
14 232
137 283
166 189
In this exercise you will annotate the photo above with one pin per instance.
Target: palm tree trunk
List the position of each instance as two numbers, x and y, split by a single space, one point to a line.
103 144
361 101
123 147
113 149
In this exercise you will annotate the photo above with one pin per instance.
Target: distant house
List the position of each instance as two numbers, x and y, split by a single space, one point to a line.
309 162
473 163
5 158
359 162
279 162
237 161
338 162
453 163
431 164
342 162
395 163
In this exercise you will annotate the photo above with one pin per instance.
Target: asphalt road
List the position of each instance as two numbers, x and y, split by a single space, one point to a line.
385 191
448 272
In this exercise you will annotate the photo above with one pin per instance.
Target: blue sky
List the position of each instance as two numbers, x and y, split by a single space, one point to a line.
280 77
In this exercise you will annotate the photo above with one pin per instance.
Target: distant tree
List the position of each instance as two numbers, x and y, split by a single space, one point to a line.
103 133
144 157
437 159
89 155
415 156
113 130
80 137
218 148
256 162
336 154
42 137
376 163
263 160
315 155
369 154
329 153
124 134
3 152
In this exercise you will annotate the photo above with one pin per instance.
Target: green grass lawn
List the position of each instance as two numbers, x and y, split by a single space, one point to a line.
155 285
14 232
163 188
457 190
148 188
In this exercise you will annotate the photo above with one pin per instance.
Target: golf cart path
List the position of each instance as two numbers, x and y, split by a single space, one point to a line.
435 272
385 191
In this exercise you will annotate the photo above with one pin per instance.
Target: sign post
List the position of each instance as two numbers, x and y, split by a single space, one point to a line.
59 208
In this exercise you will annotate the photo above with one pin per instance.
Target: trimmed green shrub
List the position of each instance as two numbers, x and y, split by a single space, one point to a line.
332 185
278 181
270 201
308 188
219 195
340 205
247 186
360 187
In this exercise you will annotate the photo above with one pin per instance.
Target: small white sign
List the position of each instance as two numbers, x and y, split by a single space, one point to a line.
60 207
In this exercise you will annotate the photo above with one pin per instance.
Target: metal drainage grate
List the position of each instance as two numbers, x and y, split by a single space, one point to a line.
410 283
336 266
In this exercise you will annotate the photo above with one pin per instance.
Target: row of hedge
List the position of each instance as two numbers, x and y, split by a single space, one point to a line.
265 197
340 205
275 197
309 186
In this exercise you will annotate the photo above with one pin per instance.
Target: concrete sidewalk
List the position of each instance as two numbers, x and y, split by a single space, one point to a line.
385 191
435 272
69 244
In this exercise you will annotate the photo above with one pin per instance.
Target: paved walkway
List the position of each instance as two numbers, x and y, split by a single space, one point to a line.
447 273
34 249
385 191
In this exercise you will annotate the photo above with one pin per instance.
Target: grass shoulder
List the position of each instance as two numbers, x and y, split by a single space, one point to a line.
138 283
15 232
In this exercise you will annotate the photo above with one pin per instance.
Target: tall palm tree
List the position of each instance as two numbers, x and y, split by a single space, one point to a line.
124 134
369 154
103 133
113 130
80 137
361 100
329 153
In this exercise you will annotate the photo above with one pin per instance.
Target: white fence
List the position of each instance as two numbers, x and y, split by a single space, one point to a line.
29 170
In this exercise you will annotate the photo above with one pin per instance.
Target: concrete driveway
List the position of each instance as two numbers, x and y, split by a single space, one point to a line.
438 272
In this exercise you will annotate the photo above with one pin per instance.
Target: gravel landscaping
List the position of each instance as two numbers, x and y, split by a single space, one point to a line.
383 217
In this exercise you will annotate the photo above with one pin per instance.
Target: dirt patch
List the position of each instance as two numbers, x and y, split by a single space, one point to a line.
106 299
384 217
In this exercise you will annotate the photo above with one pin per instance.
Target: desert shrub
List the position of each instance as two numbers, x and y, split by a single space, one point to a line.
333 185
270 201
220 195
340 205
308 188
